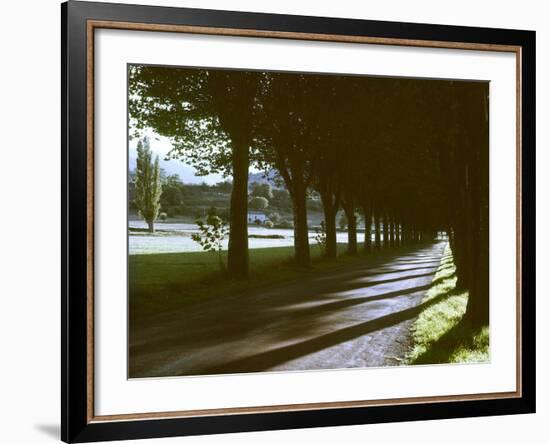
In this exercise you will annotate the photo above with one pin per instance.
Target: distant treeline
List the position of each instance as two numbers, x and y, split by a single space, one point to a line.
191 200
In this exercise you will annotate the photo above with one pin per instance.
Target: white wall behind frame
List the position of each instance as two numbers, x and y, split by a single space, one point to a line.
29 320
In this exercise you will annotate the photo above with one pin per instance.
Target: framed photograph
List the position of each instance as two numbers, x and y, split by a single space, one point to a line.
276 221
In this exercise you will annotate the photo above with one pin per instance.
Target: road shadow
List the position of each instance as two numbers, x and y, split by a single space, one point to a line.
297 312
271 358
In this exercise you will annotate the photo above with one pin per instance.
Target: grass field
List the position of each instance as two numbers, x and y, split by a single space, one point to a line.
439 335
159 282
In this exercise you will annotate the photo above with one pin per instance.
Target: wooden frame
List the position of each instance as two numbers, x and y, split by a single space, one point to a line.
79 20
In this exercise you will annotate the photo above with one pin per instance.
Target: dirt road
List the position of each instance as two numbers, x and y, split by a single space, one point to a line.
353 317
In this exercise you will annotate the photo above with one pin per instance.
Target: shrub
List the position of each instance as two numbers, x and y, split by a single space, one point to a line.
321 237
274 217
212 232
258 203
285 224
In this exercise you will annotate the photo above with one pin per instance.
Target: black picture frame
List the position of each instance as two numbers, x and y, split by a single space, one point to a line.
76 425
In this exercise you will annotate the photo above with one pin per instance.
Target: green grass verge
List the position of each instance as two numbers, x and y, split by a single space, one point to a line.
439 333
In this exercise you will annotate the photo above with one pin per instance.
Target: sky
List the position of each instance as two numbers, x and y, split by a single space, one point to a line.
160 146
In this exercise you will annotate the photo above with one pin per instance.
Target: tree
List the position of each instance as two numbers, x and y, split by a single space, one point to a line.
208 115
259 203
225 187
258 189
412 154
171 192
328 168
286 135
281 199
148 188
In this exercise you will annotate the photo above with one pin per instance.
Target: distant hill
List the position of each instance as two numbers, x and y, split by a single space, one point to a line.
272 178
161 146
171 167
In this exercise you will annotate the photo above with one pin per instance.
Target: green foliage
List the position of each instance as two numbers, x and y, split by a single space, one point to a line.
258 203
343 222
172 281
281 199
172 196
274 217
321 237
225 186
212 232
439 333
268 224
258 189
314 204
147 186
163 216
414 150
284 223
197 109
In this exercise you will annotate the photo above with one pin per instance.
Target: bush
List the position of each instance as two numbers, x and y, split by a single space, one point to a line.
285 224
274 217
268 224
258 189
163 216
258 203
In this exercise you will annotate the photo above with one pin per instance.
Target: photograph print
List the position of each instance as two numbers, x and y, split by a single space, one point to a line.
296 221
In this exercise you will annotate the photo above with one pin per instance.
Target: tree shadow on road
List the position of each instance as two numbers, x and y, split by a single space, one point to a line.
271 358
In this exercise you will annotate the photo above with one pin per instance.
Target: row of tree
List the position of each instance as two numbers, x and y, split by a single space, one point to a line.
411 154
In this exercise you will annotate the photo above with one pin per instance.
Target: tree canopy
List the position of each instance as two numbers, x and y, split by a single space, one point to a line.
410 154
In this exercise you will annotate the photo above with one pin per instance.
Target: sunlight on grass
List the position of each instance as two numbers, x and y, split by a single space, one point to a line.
168 281
479 352
438 334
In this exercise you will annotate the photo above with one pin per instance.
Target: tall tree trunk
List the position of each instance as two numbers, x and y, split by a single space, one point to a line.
367 242
330 227
330 197
460 256
301 241
349 209
398 235
392 233
377 243
385 232
151 226
477 310
233 96
237 255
